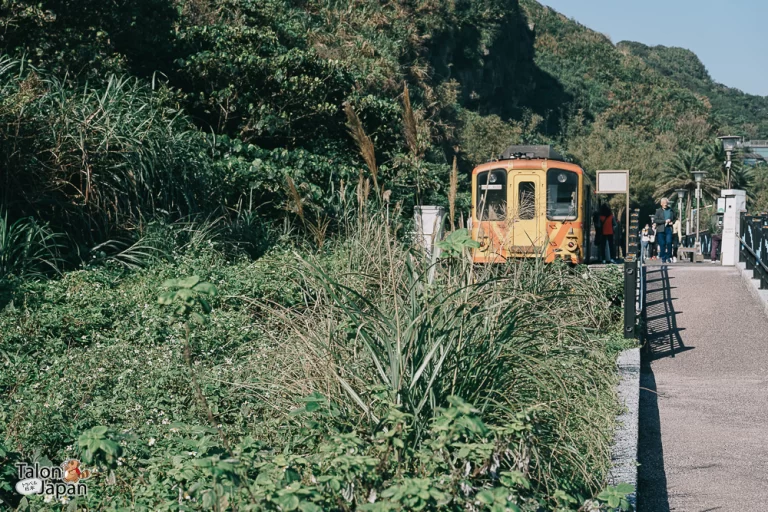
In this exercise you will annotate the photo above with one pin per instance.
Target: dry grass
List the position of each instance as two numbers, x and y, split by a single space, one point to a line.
452 192
411 129
506 339
363 142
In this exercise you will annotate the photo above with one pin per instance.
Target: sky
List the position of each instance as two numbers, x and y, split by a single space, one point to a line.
731 41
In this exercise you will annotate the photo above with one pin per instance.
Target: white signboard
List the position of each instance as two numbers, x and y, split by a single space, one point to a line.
612 182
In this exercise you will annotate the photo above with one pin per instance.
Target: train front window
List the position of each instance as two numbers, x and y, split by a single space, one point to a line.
562 195
492 195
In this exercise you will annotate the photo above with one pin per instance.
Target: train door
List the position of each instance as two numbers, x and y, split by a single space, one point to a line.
528 224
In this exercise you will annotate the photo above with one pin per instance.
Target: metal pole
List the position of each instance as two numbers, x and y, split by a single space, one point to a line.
698 216
630 295
626 230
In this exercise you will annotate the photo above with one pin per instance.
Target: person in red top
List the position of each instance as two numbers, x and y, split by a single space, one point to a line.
607 222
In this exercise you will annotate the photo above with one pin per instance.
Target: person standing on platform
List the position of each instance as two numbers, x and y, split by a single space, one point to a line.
717 239
665 220
645 240
677 238
599 240
607 222
620 238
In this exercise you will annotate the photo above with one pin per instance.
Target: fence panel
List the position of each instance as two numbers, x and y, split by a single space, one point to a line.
754 246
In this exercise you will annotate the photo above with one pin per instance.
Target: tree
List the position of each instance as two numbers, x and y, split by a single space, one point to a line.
678 174
742 176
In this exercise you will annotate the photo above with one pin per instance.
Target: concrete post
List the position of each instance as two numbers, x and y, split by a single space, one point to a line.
428 222
735 204
429 230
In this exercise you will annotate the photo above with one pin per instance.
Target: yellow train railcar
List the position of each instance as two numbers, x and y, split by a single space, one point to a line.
531 203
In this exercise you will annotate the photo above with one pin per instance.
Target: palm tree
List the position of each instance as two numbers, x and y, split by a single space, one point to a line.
679 175
742 176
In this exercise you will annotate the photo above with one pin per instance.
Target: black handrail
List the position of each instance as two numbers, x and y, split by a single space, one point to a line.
633 283
754 246
705 237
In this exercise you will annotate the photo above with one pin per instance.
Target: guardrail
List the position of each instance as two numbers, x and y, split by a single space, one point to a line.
754 246
706 243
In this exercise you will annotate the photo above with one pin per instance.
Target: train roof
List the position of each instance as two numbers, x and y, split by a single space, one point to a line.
520 152
529 156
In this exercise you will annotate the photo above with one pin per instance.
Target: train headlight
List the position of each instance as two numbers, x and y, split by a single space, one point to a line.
562 178
492 178
571 245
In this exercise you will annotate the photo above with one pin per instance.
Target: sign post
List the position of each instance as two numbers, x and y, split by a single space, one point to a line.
615 182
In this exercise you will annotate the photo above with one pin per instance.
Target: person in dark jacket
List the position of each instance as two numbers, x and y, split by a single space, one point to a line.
599 240
717 239
665 220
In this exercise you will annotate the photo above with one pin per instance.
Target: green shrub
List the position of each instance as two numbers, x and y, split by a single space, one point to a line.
287 366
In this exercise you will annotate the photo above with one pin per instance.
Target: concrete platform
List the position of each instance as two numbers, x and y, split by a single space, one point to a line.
754 285
704 392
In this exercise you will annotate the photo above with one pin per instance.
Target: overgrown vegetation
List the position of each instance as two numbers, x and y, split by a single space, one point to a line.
273 150
344 380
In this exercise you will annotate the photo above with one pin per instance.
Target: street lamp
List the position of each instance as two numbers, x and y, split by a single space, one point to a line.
680 195
698 176
730 143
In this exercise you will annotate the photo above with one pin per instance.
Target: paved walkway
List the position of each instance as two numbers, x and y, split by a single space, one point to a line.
704 393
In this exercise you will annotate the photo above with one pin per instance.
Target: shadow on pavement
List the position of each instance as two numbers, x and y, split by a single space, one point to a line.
651 477
662 337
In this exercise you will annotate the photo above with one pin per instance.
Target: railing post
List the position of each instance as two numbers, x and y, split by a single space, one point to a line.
743 231
762 251
750 242
634 228
754 247
630 295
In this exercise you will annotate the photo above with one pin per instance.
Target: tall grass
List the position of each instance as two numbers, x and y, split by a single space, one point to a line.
97 161
28 249
374 331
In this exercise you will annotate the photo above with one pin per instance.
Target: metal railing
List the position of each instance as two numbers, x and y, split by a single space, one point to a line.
706 243
754 246
634 280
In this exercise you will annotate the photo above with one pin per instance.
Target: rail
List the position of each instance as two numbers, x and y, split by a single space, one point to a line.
706 243
640 301
754 246
634 280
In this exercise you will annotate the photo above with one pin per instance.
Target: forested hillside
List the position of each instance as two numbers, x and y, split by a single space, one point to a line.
253 92
630 110
733 110
209 291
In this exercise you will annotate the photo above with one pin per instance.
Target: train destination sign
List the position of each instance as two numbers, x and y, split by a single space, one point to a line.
612 182
615 182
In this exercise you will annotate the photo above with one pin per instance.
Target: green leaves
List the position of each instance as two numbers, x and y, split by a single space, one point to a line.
185 294
96 445
417 494
497 500
456 242
616 497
